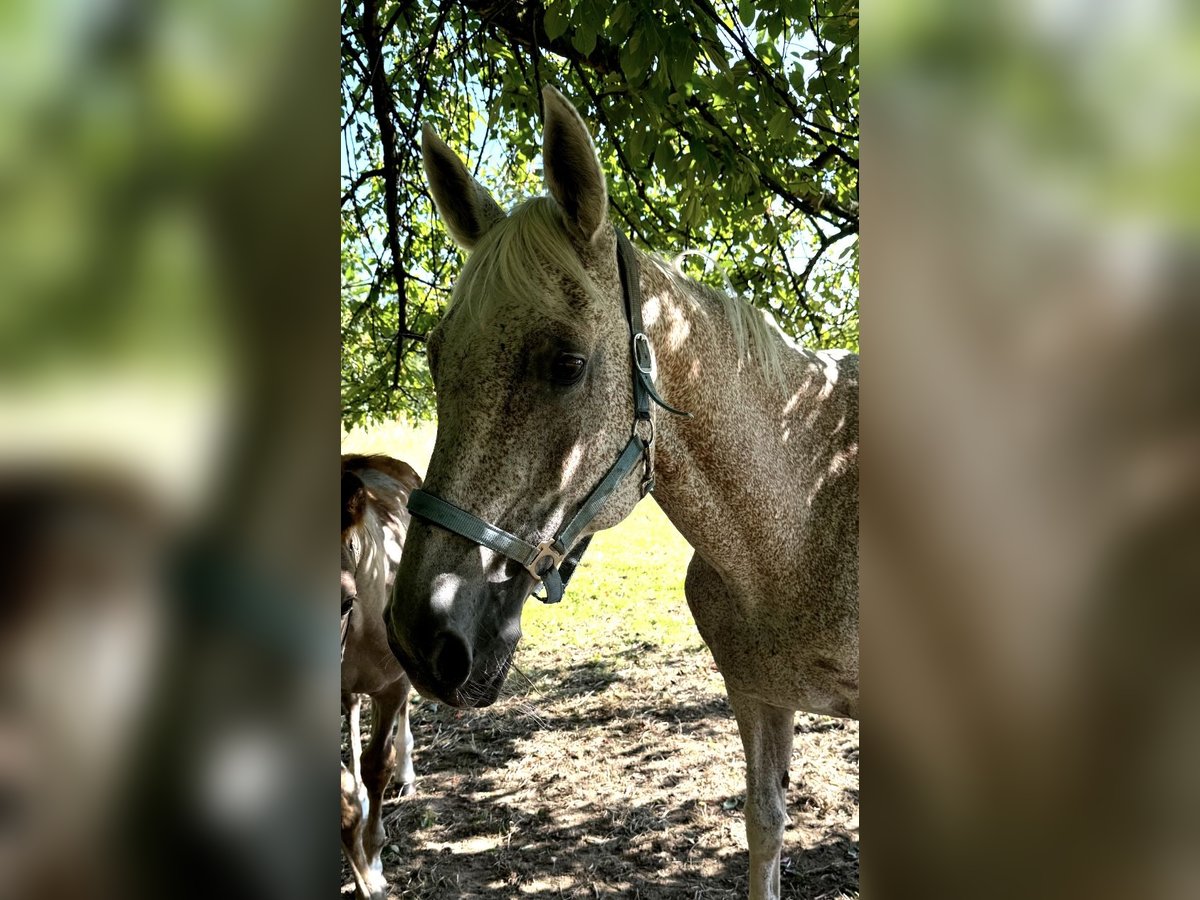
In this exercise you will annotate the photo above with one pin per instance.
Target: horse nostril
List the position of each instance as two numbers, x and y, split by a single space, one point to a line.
451 659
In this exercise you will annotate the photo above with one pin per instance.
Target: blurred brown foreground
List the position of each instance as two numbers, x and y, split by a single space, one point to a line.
168 402
1031 450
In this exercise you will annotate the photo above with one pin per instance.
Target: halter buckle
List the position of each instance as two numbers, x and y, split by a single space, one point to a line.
546 551
648 481
647 468
640 340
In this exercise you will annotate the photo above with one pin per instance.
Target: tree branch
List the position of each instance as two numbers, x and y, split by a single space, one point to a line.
800 286
801 204
385 115
524 24
359 181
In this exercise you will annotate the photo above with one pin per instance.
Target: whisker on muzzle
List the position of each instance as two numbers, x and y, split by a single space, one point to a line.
517 690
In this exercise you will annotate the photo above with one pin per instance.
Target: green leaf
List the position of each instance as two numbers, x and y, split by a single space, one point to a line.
556 22
584 40
774 26
629 64
746 10
839 91
781 124
680 66
636 57
617 27
633 144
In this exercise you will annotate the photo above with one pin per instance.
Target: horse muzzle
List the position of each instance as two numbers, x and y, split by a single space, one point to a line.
451 673
456 644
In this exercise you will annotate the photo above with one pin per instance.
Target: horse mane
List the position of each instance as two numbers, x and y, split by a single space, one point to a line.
756 335
526 252
386 482
522 255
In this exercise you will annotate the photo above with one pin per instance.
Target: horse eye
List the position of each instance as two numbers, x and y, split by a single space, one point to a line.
567 368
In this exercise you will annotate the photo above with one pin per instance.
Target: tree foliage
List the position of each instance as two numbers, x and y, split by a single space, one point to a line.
729 127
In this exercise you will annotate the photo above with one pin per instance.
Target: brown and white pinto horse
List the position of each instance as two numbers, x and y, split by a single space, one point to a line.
375 491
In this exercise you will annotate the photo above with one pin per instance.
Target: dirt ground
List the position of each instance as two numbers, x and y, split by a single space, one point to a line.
618 776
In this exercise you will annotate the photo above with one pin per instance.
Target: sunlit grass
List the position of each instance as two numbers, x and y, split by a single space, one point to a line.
411 443
629 589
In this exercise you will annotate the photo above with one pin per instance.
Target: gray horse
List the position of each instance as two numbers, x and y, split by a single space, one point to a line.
537 387
375 490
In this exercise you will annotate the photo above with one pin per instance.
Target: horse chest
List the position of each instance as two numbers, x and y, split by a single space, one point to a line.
772 643
368 666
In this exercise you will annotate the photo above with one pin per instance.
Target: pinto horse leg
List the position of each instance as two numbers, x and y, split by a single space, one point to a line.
767 738
379 762
352 706
354 799
408 775
367 884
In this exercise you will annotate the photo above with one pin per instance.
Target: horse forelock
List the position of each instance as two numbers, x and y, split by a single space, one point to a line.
528 256
396 469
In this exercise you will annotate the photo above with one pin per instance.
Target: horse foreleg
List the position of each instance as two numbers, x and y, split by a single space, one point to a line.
380 762
352 707
354 801
767 738
369 883
408 775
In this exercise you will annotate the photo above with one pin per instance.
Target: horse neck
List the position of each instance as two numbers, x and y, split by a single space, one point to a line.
741 459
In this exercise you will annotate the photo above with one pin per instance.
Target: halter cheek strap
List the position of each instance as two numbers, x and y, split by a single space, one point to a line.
553 562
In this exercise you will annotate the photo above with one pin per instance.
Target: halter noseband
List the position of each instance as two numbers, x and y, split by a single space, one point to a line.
553 562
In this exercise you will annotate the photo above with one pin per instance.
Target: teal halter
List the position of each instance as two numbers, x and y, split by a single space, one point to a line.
552 562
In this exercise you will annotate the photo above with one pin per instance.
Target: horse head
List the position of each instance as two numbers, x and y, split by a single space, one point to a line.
531 366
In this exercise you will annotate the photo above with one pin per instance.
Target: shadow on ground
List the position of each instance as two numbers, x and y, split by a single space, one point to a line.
620 777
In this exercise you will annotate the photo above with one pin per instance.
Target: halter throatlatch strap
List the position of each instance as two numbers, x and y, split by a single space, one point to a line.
553 562
643 356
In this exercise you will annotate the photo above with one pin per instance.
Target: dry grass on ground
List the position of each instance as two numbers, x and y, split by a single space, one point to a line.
613 768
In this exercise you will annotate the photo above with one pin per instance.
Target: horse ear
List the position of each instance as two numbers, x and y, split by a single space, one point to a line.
573 171
354 499
463 203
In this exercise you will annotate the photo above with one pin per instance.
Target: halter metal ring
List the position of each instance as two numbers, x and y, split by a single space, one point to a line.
545 551
648 440
640 340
